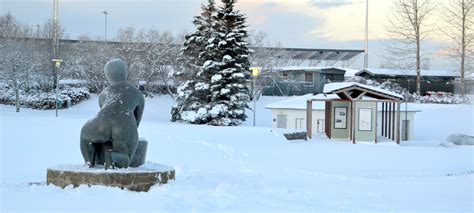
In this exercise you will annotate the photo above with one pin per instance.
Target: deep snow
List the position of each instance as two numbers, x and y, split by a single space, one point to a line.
244 168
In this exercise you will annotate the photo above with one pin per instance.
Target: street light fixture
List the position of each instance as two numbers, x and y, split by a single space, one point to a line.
255 71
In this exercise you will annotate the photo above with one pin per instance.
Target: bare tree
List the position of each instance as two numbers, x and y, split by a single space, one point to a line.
268 57
408 28
12 28
87 61
161 60
19 56
152 57
459 18
130 48
47 33
17 64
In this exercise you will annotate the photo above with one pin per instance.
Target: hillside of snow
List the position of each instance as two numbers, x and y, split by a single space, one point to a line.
243 168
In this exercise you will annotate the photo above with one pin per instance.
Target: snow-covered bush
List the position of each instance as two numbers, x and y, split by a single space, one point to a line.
440 98
296 136
44 100
154 87
430 97
460 139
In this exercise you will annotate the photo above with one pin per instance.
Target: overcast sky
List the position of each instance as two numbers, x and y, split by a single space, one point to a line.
295 23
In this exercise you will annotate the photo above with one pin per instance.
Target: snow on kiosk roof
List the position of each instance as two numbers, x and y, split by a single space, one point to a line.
335 88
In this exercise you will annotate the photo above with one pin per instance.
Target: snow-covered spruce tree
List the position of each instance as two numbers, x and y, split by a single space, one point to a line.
228 65
194 89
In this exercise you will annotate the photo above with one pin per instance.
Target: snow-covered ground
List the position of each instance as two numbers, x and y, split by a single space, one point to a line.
244 168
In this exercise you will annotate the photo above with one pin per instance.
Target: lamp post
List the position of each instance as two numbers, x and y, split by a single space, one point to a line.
255 72
55 60
57 63
105 27
366 46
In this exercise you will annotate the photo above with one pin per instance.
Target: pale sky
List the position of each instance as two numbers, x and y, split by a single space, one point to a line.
295 23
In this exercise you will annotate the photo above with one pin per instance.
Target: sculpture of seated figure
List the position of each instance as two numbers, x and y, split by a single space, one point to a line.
111 137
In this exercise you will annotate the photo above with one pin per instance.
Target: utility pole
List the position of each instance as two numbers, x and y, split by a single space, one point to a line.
105 27
55 59
366 47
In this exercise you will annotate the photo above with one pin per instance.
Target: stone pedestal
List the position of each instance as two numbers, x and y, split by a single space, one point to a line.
135 179
140 153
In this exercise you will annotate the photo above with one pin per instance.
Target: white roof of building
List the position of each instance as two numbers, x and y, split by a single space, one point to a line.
470 76
350 72
299 103
326 97
310 68
405 72
328 88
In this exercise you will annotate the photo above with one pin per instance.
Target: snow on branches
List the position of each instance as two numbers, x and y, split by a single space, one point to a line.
217 60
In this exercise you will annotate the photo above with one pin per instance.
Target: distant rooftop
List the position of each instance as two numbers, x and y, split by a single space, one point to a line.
349 71
403 72
279 52
313 54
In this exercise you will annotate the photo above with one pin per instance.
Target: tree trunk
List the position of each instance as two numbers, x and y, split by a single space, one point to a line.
17 97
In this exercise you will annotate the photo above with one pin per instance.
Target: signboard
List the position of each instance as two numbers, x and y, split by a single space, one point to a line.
340 117
365 119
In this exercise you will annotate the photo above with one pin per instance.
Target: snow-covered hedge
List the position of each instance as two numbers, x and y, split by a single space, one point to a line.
440 98
44 100
430 97
460 139
296 136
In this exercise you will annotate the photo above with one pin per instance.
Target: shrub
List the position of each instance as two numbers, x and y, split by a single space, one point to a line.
430 97
44 100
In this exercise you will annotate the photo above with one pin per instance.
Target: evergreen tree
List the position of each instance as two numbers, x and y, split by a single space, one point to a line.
192 92
216 57
228 65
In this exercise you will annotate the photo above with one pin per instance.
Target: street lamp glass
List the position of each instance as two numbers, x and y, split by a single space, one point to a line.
255 71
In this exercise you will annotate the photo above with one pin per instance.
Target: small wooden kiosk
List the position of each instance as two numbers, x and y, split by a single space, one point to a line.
352 114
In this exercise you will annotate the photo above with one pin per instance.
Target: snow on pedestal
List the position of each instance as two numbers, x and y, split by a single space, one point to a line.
135 179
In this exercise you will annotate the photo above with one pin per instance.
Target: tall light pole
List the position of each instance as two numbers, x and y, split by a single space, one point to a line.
366 46
105 27
56 61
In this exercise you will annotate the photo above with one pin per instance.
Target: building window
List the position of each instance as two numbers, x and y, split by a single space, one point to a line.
284 75
281 121
308 78
299 122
